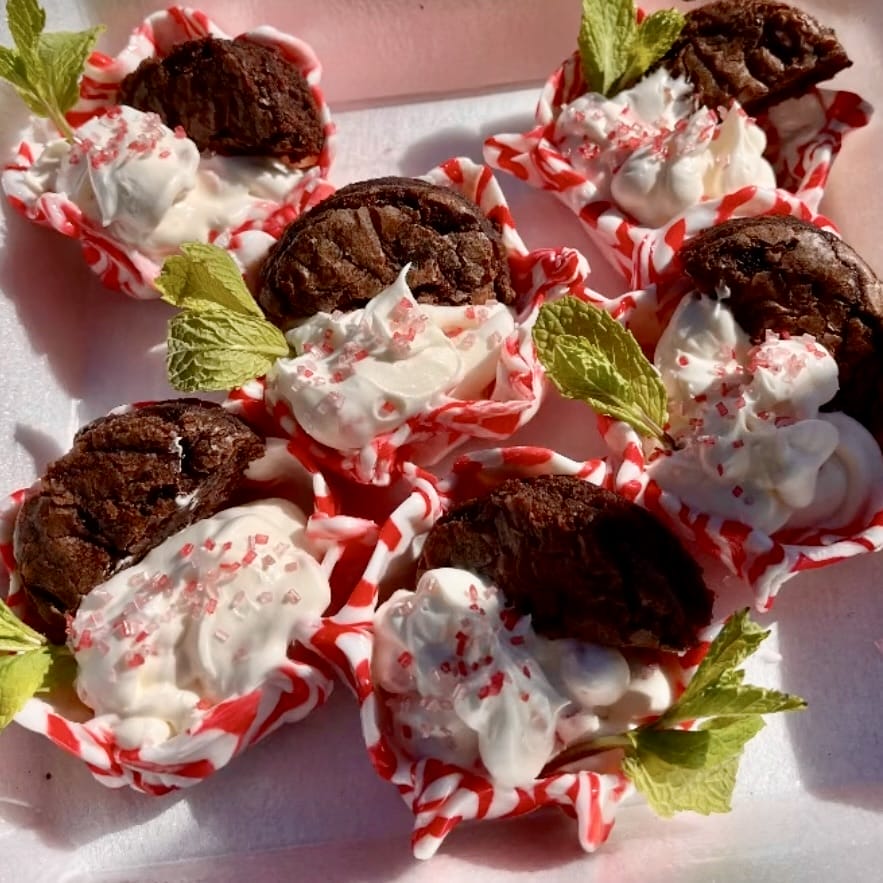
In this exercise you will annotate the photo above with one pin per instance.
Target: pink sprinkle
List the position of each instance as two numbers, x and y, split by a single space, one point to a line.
229 566
267 561
209 545
162 582
292 566
137 580
261 539
249 556
165 154
186 550
227 546
134 660
141 637
240 655
211 606
879 645
124 629
291 597
265 598
85 641
221 635
103 648
387 408
179 132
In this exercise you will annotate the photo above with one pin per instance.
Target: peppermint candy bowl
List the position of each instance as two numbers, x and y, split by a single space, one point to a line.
123 265
439 793
506 405
804 136
299 683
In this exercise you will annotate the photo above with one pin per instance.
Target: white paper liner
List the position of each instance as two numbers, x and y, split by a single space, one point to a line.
804 137
119 265
427 438
441 795
290 693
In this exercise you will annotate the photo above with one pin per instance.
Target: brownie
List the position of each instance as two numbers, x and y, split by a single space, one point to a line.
755 51
232 97
788 276
584 562
129 481
351 246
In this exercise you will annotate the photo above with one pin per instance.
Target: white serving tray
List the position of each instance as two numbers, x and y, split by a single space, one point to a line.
412 83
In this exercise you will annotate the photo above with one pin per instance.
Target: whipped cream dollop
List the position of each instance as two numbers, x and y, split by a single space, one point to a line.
752 442
655 154
365 372
148 186
205 616
467 680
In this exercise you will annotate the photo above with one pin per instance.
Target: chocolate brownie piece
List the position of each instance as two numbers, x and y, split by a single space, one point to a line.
584 562
786 275
130 481
755 51
231 96
351 246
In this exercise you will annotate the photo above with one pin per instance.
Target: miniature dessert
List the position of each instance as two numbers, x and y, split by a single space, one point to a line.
564 551
353 245
131 480
234 97
643 133
131 183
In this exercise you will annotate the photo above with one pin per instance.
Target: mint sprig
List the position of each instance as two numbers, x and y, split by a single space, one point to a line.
588 355
45 69
220 339
30 665
679 770
615 50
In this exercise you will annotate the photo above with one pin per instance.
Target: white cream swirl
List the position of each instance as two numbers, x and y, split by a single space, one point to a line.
468 681
207 615
363 373
148 186
656 155
753 444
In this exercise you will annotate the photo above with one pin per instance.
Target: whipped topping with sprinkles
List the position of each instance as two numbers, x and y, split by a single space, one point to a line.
366 372
469 682
148 186
752 443
207 615
655 154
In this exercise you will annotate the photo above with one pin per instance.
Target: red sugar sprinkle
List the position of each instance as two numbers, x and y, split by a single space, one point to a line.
291 566
267 561
683 360
85 641
221 635
186 550
494 687
165 154
179 132
517 640
261 539
229 566
227 546
462 638
405 659
387 408
526 670
722 409
290 597
249 556
739 443
209 544
737 491
211 606
265 598
524 697
134 660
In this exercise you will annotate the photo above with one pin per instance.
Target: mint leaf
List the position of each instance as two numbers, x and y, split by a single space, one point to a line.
606 32
44 69
204 276
655 36
614 50
215 348
21 676
15 636
588 355
26 20
698 774
731 701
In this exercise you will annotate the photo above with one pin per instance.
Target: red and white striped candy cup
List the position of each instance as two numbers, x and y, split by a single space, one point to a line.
764 561
439 794
120 266
295 688
804 136
518 390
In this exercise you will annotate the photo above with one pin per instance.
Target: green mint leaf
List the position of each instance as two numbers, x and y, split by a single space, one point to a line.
62 56
737 640
15 636
216 348
21 676
588 355
606 33
681 770
202 277
26 21
46 68
655 36
719 701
